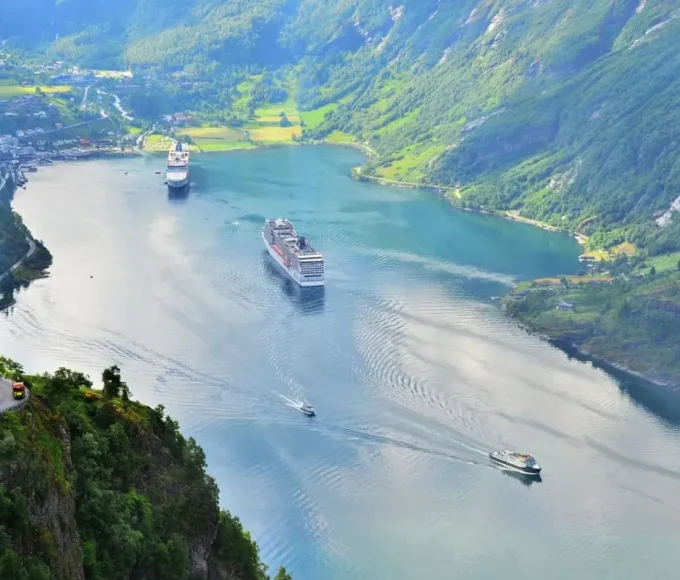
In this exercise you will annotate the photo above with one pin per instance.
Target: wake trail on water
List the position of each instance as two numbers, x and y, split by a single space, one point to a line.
366 436
296 404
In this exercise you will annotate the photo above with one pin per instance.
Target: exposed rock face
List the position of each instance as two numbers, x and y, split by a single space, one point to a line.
49 493
57 514
94 486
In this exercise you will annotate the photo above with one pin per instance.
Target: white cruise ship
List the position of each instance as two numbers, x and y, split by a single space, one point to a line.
177 174
296 257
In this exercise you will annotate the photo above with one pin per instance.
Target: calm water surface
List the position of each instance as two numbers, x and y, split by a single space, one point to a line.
414 372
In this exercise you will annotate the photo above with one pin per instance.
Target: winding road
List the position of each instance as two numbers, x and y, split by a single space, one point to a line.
31 251
87 92
7 401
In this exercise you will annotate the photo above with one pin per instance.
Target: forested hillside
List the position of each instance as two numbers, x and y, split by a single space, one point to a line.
94 486
565 110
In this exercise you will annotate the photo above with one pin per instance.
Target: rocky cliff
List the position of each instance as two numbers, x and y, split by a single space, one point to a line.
95 486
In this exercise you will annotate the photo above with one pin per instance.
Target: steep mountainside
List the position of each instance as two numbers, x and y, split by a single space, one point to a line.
14 246
94 486
561 109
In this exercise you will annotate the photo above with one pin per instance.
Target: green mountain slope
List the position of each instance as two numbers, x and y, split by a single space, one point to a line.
563 110
95 486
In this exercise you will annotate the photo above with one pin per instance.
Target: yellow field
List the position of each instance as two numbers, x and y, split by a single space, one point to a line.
213 133
271 135
161 144
575 280
7 91
276 119
626 248
157 143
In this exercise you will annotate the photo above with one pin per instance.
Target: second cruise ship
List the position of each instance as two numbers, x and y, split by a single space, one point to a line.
297 258
177 174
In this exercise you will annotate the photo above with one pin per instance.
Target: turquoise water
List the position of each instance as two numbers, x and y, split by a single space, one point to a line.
414 371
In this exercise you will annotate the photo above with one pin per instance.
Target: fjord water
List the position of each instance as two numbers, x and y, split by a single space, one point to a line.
413 369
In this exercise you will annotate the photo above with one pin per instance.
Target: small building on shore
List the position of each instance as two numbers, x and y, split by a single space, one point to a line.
565 306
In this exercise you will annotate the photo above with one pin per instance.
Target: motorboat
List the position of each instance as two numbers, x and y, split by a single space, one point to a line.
522 462
308 410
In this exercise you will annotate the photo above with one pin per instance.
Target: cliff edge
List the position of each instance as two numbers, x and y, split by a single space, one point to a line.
96 486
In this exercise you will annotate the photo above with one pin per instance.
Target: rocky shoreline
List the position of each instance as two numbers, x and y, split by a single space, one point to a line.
574 350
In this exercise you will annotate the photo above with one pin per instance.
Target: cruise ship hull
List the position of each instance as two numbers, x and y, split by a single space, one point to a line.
177 183
291 272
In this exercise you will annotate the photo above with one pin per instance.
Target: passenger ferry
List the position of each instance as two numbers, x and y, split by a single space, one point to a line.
520 461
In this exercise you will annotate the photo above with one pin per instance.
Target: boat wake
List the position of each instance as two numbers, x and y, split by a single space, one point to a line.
295 404
366 436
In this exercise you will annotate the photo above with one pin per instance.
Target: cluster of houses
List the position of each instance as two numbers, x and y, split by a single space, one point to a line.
178 119
26 105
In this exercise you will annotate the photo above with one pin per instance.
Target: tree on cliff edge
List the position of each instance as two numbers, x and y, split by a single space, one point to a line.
114 386
283 575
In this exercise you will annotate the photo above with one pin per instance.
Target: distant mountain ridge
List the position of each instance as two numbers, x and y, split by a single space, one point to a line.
564 110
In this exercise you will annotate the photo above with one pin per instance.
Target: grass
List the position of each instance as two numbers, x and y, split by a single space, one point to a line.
339 137
157 143
664 263
264 126
9 91
599 255
160 144
400 122
574 280
273 135
411 166
315 117
276 119
289 108
626 248
216 145
261 128
211 133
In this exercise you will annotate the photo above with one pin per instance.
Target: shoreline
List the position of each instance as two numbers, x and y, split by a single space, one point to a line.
442 190
32 272
612 368
567 348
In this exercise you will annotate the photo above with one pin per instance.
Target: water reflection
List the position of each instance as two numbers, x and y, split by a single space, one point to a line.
305 300
523 478
664 402
178 194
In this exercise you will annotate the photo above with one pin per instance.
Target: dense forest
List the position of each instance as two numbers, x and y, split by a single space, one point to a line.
95 486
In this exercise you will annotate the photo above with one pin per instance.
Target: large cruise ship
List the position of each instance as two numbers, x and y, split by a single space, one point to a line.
292 252
178 167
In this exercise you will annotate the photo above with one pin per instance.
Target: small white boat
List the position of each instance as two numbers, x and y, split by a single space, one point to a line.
308 410
522 462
